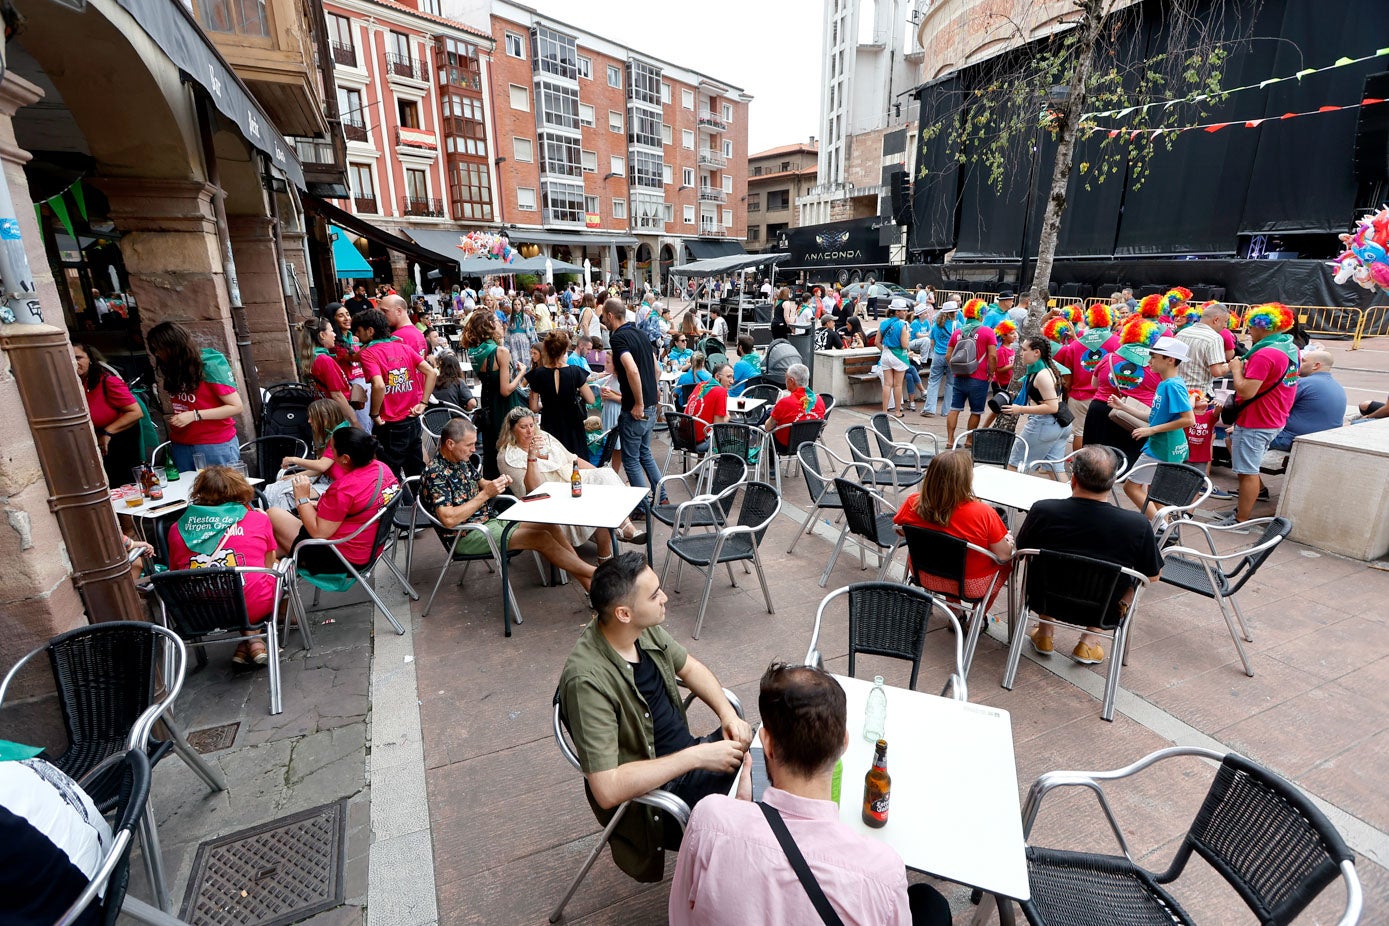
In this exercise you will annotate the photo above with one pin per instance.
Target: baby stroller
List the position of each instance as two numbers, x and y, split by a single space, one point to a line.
284 429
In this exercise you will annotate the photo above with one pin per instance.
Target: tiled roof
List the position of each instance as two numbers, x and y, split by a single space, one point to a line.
451 23
784 149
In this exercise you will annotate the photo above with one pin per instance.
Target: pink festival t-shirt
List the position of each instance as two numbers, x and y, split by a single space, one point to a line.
207 397
1271 409
395 362
982 342
352 500
410 336
247 543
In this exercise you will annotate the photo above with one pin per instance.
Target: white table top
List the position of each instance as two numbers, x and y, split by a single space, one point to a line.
599 506
668 376
740 404
175 499
1015 490
954 807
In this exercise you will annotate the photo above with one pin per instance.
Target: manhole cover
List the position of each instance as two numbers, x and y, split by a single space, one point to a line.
213 739
279 872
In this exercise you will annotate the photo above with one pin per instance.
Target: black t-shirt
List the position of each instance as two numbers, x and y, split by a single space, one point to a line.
629 339
828 339
357 304
1092 528
672 735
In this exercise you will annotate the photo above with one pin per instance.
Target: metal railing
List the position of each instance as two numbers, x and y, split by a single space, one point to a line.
344 54
709 194
364 203
708 120
404 66
422 206
712 231
352 130
712 159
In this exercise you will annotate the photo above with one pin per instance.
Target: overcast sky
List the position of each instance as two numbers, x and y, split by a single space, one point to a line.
771 50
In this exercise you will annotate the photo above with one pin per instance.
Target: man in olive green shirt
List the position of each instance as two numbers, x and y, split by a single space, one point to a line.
619 698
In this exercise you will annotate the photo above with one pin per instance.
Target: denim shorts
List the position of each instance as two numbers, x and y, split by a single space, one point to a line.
1247 448
967 387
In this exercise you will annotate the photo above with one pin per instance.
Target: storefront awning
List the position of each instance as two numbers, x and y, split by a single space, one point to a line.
702 249
352 223
573 239
177 33
732 263
348 260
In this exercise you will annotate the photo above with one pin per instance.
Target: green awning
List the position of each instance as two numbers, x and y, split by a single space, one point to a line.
349 260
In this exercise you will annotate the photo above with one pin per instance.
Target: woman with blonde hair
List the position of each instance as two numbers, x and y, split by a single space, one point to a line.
945 501
318 365
532 457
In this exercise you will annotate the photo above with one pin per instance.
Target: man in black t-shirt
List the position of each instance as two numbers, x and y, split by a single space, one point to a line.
358 301
826 338
1086 524
634 360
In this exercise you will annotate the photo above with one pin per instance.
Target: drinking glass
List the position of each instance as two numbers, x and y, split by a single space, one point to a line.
199 462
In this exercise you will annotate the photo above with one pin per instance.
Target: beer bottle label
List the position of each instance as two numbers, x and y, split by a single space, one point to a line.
880 806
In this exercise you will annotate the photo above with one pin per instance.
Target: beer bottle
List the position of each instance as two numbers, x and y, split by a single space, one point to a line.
877 787
576 482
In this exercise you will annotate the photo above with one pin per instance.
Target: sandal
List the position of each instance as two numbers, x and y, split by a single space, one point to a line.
241 657
257 651
630 533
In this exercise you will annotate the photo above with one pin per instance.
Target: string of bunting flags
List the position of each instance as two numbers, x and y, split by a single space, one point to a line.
60 207
1132 134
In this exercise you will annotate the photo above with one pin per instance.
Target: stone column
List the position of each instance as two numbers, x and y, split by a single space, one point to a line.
262 294
169 244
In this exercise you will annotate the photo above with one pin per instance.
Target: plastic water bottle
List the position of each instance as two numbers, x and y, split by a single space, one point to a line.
875 714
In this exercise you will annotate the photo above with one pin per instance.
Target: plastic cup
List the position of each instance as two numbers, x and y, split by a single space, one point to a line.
199 462
133 496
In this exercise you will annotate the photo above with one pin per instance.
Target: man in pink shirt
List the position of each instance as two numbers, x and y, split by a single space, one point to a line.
1265 386
398 315
733 868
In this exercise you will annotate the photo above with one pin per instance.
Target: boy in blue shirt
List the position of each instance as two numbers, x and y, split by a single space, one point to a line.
1172 414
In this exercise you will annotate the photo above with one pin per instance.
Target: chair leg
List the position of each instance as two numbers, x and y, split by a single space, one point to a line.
732 579
209 773
154 859
665 568
448 562
1244 627
273 645
395 571
762 578
834 556
381 605
1234 635
977 621
1111 682
704 600
805 528
1019 631
588 862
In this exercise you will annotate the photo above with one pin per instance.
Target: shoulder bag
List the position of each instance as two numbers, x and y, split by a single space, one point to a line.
1228 413
1130 414
802 869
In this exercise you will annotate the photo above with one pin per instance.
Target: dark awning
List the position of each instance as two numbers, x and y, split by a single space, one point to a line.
178 34
344 219
702 249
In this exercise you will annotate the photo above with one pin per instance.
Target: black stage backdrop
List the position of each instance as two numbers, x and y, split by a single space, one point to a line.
1285 176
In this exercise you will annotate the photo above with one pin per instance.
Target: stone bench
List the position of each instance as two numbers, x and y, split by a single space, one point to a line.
848 375
1337 490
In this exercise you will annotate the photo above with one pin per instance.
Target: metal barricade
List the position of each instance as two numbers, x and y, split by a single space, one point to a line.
1331 320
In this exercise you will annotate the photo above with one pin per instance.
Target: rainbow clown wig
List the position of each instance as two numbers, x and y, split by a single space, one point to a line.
1099 315
1177 294
1058 330
1269 318
1153 307
1185 314
973 310
1141 332
1005 328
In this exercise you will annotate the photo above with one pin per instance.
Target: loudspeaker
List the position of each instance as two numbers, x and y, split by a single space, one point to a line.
901 189
1372 132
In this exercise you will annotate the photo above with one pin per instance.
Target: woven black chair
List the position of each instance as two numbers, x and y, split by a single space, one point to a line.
991 446
797 434
1176 489
451 538
936 561
712 479
120 788
208 605
1064 588
877 471
817 469
610 436
684 438
728 544
1221 576
263 455
889 619
903 454
769 394
864 519
742 440
1259 832
829 403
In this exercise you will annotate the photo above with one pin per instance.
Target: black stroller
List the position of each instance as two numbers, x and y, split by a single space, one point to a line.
284 429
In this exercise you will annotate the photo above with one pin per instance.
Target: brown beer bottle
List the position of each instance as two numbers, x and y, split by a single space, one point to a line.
576 482
877 787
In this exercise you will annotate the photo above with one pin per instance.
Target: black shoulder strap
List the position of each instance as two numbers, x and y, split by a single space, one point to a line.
798 863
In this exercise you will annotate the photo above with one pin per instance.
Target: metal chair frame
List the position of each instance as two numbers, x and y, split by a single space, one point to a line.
1119 634
903 454
1008 438
1237 778
269 470
976 609
154 454
820 484
661 800
764 391
742 440
682 429
452 556
956 684
883 471
710 481
1175 502
1121 465
755 532
1221 585
128 808
798 433
845 488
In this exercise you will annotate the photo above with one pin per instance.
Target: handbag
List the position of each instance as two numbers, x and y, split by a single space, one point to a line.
798 863
1064 416
1130 414
1228 413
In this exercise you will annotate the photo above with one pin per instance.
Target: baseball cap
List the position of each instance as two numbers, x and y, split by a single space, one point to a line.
1171 347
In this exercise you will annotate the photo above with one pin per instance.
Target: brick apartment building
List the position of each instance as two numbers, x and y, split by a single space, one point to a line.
777 177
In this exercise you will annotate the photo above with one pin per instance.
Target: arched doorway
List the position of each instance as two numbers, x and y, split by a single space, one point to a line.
642 270
667 261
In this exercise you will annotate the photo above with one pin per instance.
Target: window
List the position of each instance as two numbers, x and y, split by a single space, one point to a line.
458 64
754 202
648 212
785 166
520 97
617 165
590 206
687 177
354 126
688 216
589 159
586 114
416 184
516 48
728 218
242 17
340 39
643 127
400 45
553 53
665 92
646 170
619 208
472 196
409 112
667 173
614 76
558 106
778 200
559 154
433 7
525 198
728 112
362 186
669 212
728 183
563 203
464 131
643 82
614 121
687 139
727 148
585 67
754 233
522 149
667 134
687 99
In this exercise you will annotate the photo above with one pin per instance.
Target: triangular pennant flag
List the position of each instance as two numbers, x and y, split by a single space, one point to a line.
1288 116
60 209
1124 112
1370 101
1341 62
1133 136
1271 80
1112 132
1381 51
1217 127
79 197
38 214
1304 72
1329 109
1253 123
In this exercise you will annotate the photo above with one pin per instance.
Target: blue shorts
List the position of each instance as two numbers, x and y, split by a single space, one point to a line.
967 387
1247 449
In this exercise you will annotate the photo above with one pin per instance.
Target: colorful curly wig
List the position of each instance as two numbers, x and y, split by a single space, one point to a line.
1099 316
1005 328
1270 318
1178 294
1072 314
1142 332
1186 314
973 310
1058 330
1153 306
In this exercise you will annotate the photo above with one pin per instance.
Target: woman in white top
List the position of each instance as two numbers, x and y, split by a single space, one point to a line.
532 457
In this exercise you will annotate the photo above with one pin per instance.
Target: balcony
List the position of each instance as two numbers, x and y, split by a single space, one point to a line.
344 54
422 207
712 230
406 67
712 159
364 204
709 194
355 130
710 122
468 79
421 139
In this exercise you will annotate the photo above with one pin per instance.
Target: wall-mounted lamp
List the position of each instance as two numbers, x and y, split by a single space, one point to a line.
499 161
612 175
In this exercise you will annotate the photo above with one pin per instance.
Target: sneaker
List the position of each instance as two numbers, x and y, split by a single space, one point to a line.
257 651
1230 520
911 406
1088 654
1263 493
242 656
927 413
1041 647
1220 493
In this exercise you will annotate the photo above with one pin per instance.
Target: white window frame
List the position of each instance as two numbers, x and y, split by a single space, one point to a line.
523 149
728 148
595 202
589 160
687 139
728 112
617 165
520 43
616 125
728 218
665 93
619 208
591 120
522 194
687 177
668 213
667 173
728 183
585 66
615 76
688 215
525 95
687 99
667 134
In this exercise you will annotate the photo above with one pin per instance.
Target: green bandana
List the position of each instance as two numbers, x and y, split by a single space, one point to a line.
17 752
216 369
381 341
480 354
1094 338
1283 343
322 350
705 387
202 526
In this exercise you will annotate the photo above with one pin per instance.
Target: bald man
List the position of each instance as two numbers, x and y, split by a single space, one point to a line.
1320 403
398 314
1206 349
